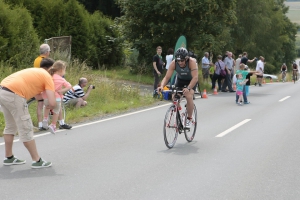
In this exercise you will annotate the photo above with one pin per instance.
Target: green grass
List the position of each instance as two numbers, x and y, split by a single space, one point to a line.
124 74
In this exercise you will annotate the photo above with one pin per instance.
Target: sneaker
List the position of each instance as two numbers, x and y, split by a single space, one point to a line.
13 161
65 126
247 102
240 104
45 124
188 123
42 129
41 164
255 84
260 85
52 128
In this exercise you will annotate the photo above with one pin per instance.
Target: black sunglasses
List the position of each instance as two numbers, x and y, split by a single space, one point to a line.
182 60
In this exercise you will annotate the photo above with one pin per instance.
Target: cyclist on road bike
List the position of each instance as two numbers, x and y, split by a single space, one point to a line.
283 71
295 69
187 78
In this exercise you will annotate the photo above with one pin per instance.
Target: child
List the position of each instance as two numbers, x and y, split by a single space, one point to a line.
57 71
211 72
239 87
244 74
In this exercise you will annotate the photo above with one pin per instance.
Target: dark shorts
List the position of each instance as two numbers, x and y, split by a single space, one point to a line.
183 83
205 72
259 76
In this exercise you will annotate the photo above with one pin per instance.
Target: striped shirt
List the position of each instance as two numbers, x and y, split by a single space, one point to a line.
74 93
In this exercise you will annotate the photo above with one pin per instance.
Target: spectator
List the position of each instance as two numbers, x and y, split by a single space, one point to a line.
169 57
44 53
211 72
57 71
237 63
239 88
76 96
14 91
157 68
245 59
45 64
244 74
260 70
205 67
248 83
217 76
229 73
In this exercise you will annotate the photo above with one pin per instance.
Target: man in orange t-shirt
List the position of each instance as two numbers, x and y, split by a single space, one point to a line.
14 91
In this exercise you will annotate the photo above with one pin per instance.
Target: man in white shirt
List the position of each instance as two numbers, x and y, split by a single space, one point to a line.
205 67
260 69
237 63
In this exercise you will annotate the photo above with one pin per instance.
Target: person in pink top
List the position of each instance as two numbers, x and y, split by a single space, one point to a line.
57 71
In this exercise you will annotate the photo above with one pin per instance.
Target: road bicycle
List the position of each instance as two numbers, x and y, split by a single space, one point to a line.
175 119
295 78
283 75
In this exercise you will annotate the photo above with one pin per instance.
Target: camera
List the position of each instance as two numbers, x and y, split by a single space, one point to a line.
92 86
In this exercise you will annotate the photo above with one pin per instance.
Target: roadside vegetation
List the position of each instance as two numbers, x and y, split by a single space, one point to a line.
118 42
109 96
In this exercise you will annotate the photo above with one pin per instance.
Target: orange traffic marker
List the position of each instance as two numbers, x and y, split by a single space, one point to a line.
215 90
264 81
204 96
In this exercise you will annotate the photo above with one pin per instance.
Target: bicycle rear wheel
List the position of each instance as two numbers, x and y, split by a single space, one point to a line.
190 132
170 127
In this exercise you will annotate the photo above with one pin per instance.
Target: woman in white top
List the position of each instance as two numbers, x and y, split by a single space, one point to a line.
169 57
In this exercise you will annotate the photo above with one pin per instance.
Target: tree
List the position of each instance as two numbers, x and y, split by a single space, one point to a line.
151 23
262 28
18 39
107 44
107 7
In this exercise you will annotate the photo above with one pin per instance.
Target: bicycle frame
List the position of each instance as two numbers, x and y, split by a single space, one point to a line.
180 116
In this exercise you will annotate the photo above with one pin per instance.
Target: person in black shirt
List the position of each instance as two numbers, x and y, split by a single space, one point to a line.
157 67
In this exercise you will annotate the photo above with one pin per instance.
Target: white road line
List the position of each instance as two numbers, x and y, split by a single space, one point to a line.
232 128
95 122
285 98
47 133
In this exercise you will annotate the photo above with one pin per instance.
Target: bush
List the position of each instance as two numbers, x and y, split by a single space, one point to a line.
18 39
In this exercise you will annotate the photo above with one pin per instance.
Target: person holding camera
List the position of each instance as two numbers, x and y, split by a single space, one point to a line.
76 96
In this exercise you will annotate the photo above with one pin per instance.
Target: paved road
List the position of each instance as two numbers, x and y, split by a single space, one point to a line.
125 157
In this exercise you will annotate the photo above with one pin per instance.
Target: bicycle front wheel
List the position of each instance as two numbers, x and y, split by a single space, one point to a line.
190 132
170 127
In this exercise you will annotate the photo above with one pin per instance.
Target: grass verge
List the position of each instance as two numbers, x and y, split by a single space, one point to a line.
109 96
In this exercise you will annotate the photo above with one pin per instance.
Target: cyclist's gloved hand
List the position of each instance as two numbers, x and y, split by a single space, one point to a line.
159 89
